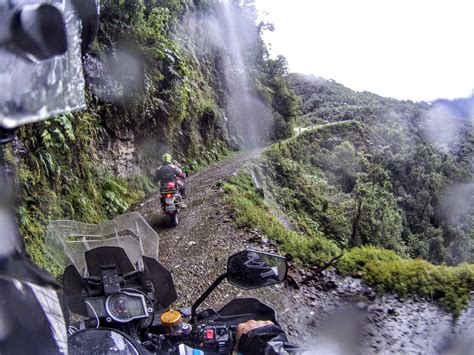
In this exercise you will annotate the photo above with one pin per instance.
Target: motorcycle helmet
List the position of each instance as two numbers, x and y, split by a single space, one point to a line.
166 158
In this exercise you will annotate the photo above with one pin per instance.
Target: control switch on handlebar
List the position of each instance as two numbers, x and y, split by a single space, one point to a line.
209 334
217 338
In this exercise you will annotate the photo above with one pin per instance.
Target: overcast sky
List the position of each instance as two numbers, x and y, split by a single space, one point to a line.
407 49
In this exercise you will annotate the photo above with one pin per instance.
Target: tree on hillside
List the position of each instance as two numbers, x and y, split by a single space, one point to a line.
377 220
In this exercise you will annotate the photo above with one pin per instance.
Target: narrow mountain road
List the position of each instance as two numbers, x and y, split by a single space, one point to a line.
299 130
332 315
196 251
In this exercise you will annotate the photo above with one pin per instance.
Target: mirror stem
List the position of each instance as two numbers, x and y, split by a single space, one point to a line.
205 295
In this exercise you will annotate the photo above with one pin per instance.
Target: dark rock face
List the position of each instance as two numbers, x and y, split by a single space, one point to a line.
120 155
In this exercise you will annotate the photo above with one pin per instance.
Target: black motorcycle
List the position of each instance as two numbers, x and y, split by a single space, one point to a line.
114 281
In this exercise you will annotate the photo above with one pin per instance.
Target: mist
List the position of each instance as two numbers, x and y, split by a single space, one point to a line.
446 127
10 241
442 129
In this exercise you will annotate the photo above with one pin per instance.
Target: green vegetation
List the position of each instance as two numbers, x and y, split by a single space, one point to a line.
209 158
381 268
273 87
368 180
376 179
60 169
59 178
251 212
329 188
173 99
387 271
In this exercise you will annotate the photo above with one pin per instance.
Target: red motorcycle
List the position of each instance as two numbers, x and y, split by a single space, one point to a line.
171 201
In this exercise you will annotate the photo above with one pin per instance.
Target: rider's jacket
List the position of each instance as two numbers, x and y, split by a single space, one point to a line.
32 315
168 173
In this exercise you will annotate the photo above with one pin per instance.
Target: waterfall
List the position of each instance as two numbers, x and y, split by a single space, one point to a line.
229 36
249 117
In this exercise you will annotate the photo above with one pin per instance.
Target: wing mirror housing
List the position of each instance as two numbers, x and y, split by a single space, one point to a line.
248 269
251 269
41 47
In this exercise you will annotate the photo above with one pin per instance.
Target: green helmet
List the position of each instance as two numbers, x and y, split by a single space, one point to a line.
166 158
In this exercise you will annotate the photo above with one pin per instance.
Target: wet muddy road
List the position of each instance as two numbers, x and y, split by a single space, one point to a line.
332 315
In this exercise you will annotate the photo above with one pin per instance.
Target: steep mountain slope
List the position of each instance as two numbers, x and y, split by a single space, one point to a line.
377 184
393 177
194 78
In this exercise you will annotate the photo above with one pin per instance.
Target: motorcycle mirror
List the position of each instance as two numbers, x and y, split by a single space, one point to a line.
39 31
250 269
41 47
88 13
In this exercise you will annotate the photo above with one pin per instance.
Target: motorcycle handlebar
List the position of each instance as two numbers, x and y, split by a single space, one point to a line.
215 337
216 331
218 338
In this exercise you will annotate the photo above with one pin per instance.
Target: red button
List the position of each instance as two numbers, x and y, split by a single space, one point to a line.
209 334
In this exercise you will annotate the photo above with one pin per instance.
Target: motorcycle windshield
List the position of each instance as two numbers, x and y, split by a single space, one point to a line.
68 241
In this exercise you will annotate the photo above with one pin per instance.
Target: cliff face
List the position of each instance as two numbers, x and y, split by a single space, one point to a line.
189 77
192 78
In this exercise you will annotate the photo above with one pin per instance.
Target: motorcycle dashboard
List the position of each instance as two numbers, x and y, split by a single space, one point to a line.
124 307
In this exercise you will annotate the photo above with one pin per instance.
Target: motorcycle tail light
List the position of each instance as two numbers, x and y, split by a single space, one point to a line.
169 195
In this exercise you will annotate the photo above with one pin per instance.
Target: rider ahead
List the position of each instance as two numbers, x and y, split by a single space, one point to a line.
170 173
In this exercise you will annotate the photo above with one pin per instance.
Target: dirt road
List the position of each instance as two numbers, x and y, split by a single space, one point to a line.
196 251
333 315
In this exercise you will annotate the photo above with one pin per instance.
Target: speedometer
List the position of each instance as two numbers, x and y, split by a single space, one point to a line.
125 306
